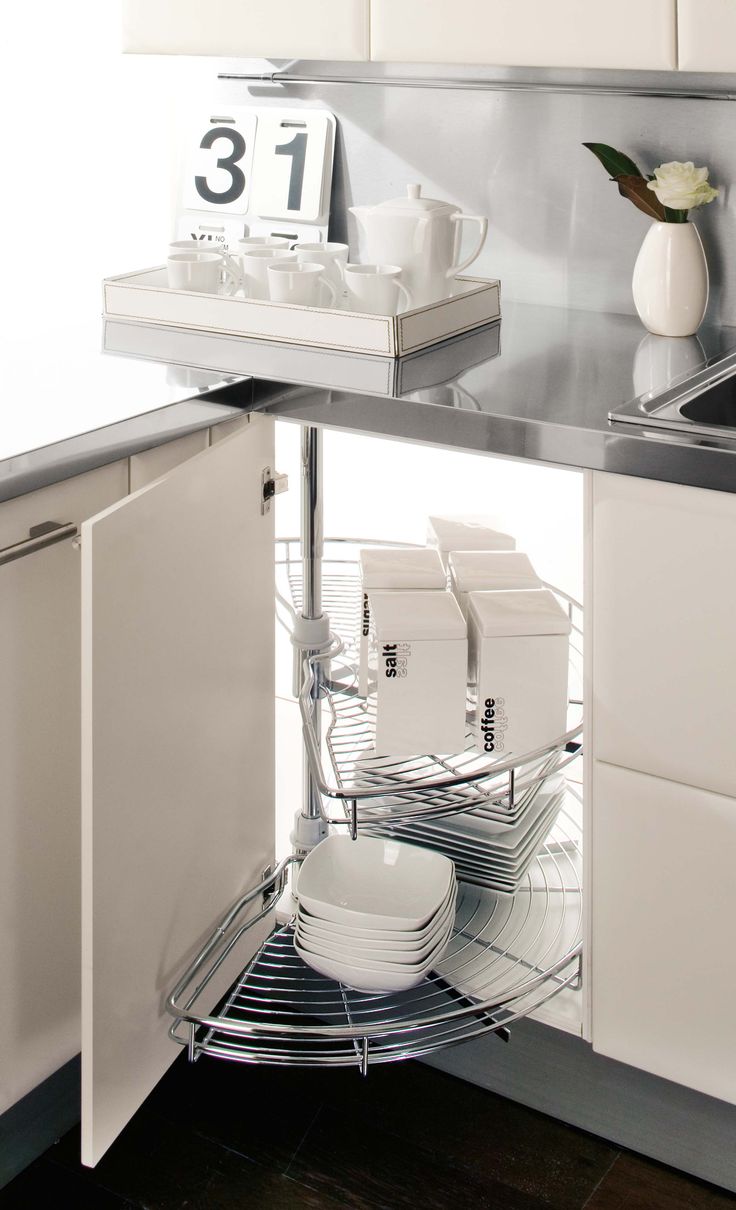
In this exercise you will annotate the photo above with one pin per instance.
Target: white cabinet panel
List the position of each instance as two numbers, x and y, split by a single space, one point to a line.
177 752
664 904
706 35
270 29
566 33
39 783
151 464
663 633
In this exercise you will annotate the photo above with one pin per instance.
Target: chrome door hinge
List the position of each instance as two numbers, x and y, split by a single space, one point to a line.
271 485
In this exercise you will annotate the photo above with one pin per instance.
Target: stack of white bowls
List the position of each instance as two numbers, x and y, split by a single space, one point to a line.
375 914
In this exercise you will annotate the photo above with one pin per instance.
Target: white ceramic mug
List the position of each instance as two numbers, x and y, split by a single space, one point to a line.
376 289
300 282
333 257
201 272
179 246
254 264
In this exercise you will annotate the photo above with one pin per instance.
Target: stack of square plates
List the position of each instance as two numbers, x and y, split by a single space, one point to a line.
374 913
485 851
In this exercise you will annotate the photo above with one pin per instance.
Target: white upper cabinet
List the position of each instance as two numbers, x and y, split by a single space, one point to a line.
270 29
177 752
663 600
664 900
537 33
706 32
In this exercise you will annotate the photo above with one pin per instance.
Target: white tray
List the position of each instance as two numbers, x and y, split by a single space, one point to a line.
145 296
329 368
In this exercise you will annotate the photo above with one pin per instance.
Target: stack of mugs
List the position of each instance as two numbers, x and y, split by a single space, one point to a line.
496 637
267 268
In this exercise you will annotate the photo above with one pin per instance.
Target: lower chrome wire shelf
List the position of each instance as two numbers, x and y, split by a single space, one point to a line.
507 957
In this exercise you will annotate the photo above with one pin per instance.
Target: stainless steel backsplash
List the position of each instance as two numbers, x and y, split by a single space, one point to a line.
559 232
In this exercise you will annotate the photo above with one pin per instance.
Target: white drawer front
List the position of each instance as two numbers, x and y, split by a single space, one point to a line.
270 29
664 903
566 33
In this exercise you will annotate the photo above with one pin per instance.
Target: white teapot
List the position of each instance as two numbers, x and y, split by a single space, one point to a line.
423 236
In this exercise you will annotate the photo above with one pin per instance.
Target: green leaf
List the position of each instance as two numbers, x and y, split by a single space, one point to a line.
615 162
635 188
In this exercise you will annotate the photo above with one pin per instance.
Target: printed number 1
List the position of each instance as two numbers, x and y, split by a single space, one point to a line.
297 149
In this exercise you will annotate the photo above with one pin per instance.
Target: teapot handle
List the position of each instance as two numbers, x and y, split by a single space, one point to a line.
483 225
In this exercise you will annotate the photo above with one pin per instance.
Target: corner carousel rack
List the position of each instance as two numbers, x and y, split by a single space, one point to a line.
508 954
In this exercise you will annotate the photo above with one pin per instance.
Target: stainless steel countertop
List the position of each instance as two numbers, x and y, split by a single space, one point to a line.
545 396
539 386
66 406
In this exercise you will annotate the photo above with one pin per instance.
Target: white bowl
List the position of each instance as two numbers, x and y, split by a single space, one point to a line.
385 936
373 882
372 948
361 962
364 977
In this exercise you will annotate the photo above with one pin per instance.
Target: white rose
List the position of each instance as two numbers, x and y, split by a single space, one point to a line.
682 186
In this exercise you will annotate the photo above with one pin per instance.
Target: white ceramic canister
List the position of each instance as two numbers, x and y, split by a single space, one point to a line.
489 571
421 651
518 647
392 568
448 534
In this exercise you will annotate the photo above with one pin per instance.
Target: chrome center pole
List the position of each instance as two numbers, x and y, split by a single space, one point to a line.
312 630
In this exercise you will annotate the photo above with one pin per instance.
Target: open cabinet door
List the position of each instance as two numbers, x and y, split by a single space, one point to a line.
177 752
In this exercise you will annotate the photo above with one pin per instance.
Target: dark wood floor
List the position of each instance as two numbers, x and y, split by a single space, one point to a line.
216 1137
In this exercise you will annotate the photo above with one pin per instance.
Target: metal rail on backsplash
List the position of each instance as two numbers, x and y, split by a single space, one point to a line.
670 85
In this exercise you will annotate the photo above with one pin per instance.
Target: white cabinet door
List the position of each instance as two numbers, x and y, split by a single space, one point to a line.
543 33
706 35
39 783
663 598
664 905
152 464
254 29
177 751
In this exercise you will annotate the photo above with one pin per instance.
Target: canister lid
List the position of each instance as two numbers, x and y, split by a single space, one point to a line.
473 570
399 567
399 616
467 533
517 612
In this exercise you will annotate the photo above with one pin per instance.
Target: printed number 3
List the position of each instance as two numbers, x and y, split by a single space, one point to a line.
228 162
297 149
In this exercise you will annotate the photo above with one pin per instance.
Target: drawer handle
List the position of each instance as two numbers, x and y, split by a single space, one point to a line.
48 533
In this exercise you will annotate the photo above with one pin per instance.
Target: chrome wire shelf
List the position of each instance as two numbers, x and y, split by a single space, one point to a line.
508 955
370 790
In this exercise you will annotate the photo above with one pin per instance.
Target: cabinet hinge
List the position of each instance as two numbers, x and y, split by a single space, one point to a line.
272 484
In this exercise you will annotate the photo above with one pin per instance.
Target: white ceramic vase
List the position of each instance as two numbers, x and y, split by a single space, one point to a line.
671 280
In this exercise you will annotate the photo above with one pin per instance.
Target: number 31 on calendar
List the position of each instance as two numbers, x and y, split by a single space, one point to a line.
272 164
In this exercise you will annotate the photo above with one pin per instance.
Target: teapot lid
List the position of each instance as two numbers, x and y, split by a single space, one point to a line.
414 203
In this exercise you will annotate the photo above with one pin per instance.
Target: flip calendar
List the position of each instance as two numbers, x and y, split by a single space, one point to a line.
258 171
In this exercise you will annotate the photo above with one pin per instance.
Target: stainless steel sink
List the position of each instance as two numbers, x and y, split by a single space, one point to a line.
702 404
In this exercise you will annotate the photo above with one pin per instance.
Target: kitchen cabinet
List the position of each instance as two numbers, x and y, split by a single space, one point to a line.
664 901
706 35
663 595
567 33
214 498
280 29
39 782
177 751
